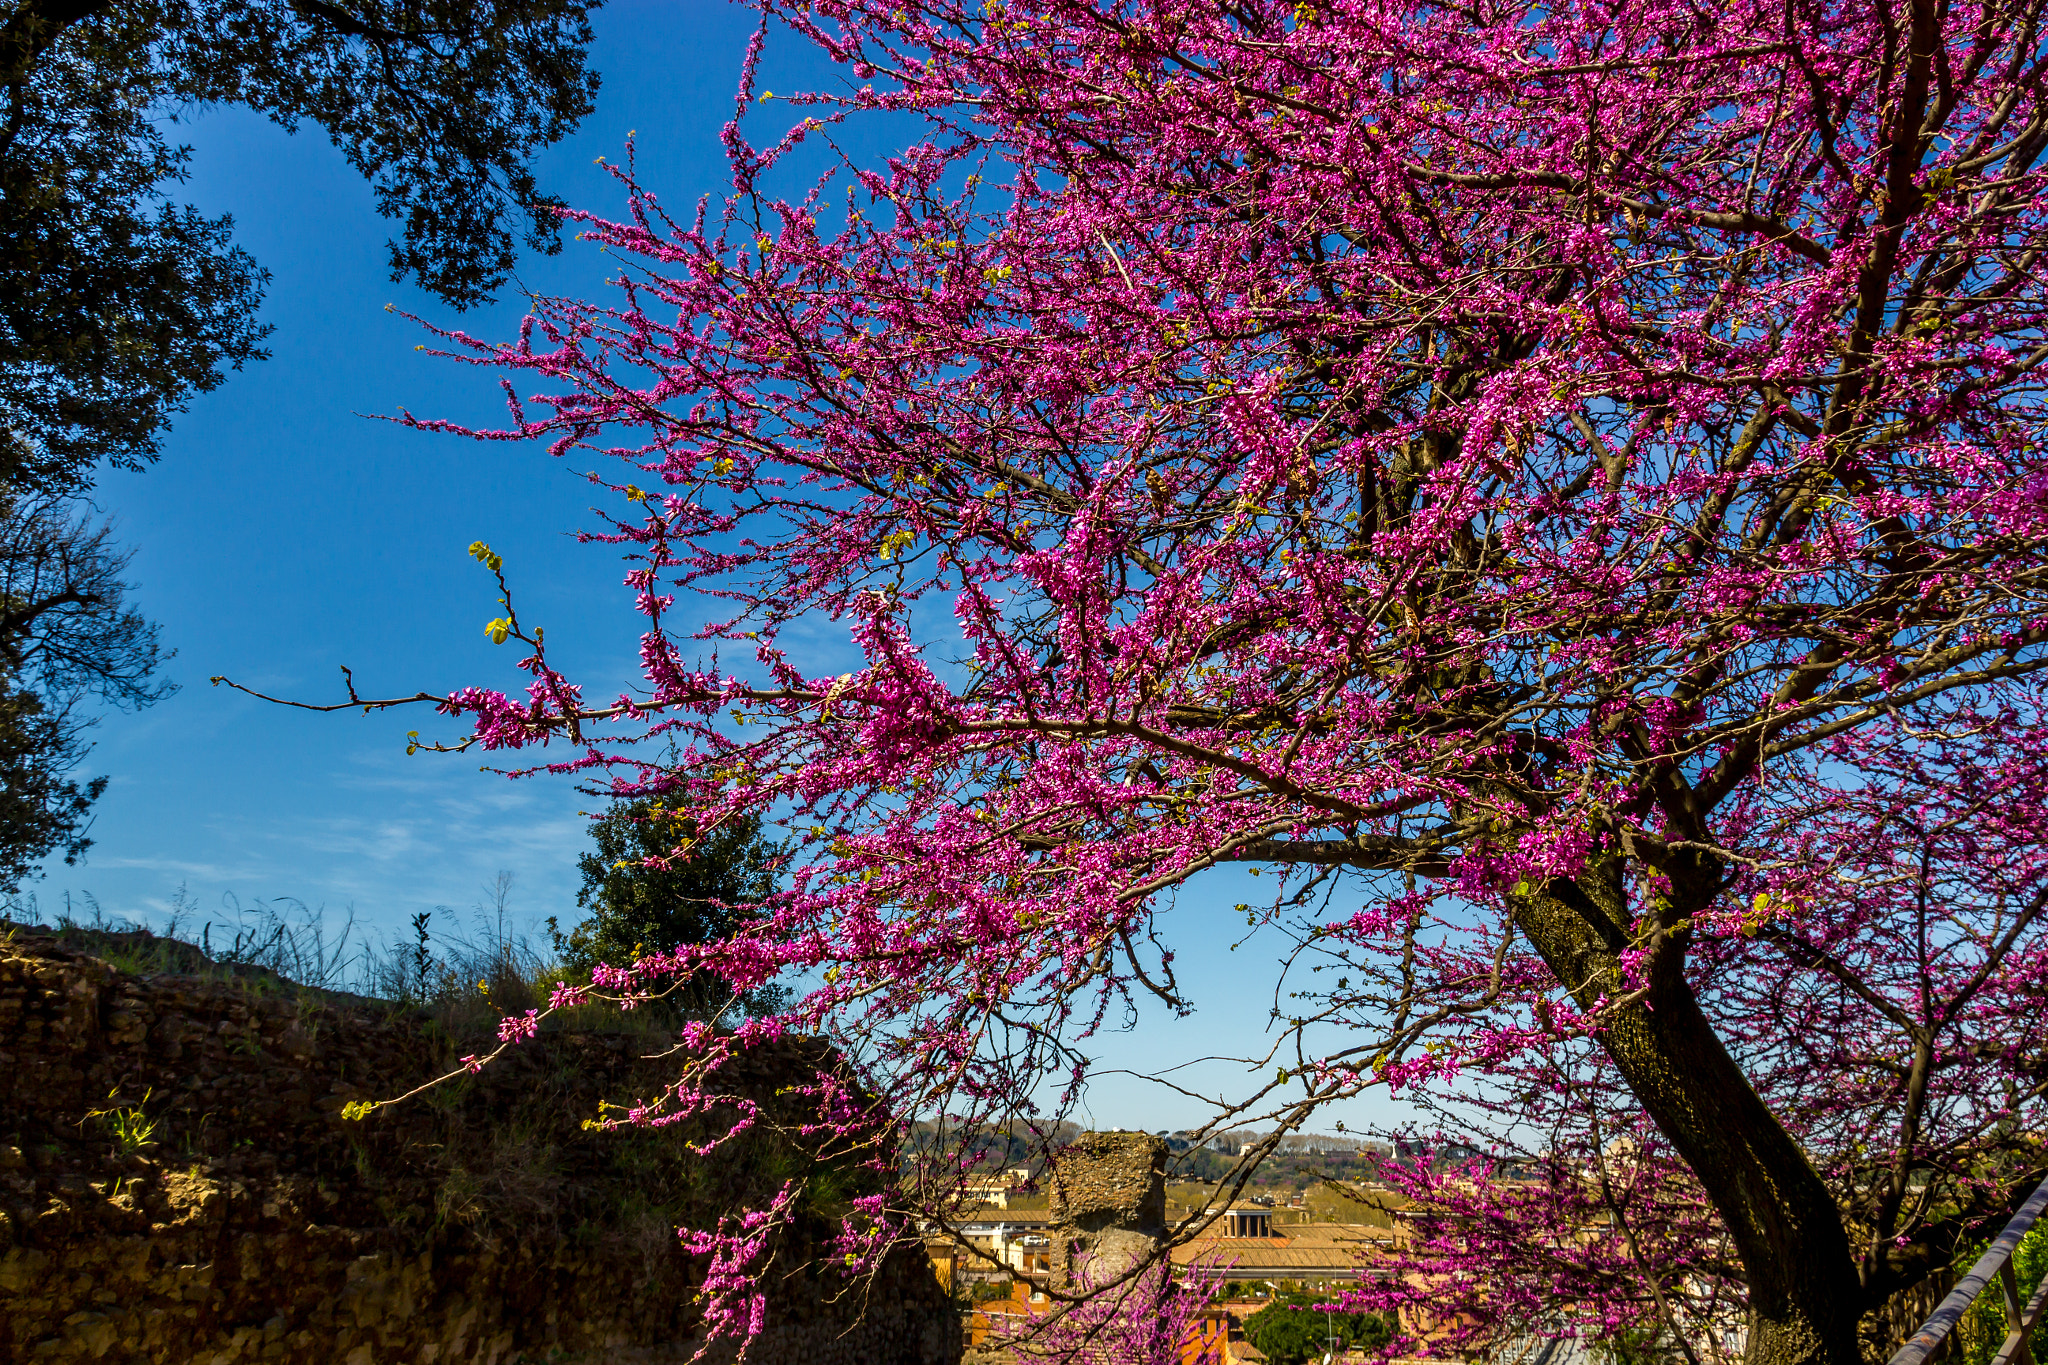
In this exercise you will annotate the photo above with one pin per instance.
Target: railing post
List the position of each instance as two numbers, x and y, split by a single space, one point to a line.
1995 1262
2016 1351
2018 1348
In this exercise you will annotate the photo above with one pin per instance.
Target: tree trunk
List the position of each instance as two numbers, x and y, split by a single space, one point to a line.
1804 1295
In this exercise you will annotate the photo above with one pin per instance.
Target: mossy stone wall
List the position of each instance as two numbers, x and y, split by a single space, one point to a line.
177 1186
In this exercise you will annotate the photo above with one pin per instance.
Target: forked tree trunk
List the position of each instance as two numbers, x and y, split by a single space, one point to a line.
1804 1293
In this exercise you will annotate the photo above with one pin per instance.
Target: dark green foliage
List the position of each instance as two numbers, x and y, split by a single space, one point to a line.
1289 1331
116 305
441 104
66 633
701 896
422 956
1637 1346
1200 1163
65 623
41 811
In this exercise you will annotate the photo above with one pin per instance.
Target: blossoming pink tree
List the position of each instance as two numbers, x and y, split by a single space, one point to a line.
1560 483
1877 969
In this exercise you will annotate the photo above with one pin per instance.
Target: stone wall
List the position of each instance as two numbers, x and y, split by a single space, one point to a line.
479 1222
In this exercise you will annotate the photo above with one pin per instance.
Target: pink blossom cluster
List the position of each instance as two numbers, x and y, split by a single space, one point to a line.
517 1028
1127 1315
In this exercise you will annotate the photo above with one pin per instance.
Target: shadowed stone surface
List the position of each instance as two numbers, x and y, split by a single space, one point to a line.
478 1223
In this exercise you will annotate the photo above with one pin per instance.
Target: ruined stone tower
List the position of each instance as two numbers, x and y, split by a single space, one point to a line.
1108 1205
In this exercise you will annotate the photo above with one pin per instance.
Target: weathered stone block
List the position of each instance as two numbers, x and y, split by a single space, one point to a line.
1108 1205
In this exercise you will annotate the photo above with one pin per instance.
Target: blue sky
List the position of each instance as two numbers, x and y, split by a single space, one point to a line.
287 532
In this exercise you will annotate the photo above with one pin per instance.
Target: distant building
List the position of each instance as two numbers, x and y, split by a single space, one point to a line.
1011 1242
945 1258
1245 1244
1246 1222
994 1321
995 1189
1439 1154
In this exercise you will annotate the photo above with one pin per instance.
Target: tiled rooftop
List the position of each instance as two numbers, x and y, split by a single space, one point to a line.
1294 1248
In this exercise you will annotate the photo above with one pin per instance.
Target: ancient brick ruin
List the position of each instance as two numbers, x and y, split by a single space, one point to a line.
1108 1204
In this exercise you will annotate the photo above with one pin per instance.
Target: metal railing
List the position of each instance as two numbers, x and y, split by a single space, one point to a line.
1995 1262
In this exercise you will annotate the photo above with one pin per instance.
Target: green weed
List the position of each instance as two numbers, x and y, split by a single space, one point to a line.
131 1129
